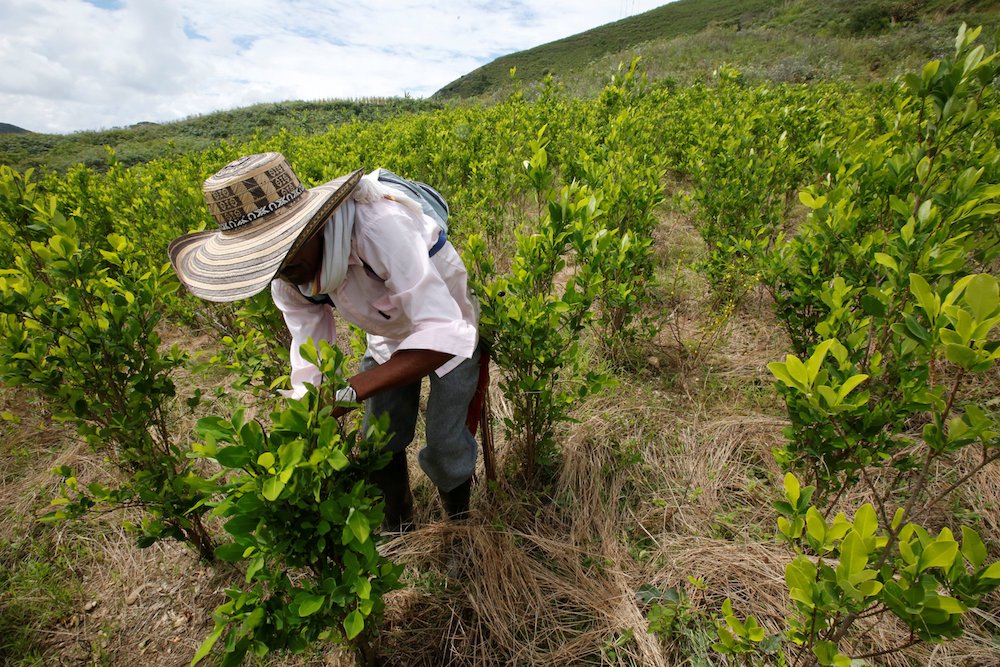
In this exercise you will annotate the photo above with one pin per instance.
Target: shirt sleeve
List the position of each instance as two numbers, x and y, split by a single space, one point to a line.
394 246
304 320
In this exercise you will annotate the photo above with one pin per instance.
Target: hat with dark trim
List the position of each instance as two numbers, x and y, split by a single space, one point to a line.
264 214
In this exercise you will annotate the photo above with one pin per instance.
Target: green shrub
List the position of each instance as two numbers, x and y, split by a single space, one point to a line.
532 322
899 320
80 326
303 520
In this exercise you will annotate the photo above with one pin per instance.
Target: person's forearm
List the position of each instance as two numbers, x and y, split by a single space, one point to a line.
405 367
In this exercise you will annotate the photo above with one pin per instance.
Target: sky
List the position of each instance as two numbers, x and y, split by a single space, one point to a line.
69 65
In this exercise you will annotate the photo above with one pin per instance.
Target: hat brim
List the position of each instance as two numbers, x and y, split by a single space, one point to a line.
228 266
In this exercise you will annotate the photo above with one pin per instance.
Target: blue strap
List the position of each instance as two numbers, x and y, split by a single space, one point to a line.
442 239
322 299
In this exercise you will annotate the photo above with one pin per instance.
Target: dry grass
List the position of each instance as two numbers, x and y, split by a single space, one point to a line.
109 602
527 599
142 606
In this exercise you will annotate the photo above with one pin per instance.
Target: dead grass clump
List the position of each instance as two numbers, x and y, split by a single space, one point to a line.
527 599
81 592
750 573
720 479
981 493
603 474
547 575
30 445
147 606
755 338
98 598
717 355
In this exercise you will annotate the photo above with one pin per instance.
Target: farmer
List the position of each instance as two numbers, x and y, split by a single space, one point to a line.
372 254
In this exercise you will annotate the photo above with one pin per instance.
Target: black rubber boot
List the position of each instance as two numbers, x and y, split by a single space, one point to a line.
456 506
394 482
456 501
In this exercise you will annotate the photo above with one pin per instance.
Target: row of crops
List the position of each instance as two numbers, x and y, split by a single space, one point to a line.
887 290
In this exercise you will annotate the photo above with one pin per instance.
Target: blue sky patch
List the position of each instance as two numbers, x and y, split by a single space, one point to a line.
320 35
191 33
244 41
106 4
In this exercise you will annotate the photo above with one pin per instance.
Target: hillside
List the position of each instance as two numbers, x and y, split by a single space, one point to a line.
791 41
781 40
146 141
7 128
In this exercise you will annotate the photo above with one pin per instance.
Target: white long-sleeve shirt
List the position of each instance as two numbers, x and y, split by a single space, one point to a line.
412 302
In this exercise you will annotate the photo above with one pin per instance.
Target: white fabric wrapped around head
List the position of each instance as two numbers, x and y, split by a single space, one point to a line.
339 227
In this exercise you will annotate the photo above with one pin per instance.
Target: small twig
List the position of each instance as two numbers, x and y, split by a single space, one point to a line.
874 611
878 500
951 398
832 505
941 496
912 642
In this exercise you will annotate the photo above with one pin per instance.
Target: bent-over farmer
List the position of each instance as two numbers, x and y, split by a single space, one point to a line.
360 247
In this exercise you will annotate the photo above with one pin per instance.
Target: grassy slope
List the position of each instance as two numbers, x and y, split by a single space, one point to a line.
565 56
688 38
7 128
145 141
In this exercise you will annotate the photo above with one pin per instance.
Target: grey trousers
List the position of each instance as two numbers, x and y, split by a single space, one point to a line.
449 456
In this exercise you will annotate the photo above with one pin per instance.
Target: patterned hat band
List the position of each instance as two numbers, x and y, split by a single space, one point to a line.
250 188
270 207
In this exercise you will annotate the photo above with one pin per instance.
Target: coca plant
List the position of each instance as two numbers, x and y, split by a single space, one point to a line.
304 524
619 163
80 327
885 290
849 574
532 316
903 220
743 172
629 181
884 561
254 342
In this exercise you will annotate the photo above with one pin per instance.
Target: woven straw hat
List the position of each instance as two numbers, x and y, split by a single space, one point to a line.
264 214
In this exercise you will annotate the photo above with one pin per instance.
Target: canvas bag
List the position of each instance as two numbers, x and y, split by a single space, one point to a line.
430 200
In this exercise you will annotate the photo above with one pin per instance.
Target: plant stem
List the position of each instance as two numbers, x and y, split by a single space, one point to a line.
951 398
966 477
833 504
845 624
912 642
878 500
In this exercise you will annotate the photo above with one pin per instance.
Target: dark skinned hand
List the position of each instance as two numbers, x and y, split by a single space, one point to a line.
405 367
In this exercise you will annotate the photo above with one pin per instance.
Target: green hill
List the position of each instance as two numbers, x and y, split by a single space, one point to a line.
7 128
777 39
145 141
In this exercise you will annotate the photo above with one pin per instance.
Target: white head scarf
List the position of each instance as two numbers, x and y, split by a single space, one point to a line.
340 226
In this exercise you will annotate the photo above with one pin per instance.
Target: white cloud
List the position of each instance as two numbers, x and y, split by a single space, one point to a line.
78 64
